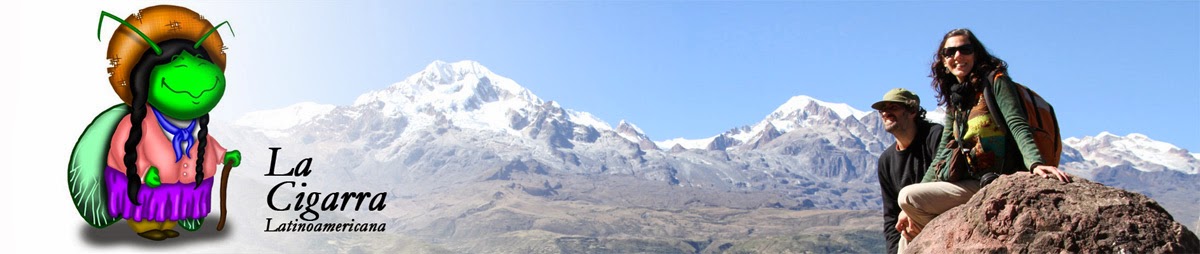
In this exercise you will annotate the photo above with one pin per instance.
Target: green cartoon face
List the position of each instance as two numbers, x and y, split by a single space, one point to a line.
186 88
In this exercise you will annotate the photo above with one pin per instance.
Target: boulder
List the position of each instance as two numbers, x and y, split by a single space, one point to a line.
1024 213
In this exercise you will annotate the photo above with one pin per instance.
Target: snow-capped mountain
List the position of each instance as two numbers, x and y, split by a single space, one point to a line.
1135 149
804 113
633 133
456 121
799 112
468 95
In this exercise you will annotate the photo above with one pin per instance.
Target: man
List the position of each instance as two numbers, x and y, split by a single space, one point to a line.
905 161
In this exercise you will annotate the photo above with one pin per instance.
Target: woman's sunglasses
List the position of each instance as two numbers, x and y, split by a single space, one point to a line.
965 49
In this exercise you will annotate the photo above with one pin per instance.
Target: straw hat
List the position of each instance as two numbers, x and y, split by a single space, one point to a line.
159 23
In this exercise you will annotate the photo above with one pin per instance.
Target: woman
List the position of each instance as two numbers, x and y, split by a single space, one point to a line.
961 69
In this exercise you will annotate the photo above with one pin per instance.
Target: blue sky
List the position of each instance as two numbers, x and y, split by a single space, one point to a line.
693 70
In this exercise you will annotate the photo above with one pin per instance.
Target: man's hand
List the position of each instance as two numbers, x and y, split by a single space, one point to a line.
907 229
233 158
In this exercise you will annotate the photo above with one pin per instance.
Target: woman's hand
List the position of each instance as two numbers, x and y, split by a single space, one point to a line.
233 158
1051 171
152 179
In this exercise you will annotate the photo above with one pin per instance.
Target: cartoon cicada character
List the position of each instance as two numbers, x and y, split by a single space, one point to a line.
151 160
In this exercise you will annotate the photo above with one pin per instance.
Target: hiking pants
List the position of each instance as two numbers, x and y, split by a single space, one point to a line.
924 201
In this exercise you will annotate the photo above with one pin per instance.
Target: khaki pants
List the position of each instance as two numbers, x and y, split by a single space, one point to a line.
924 201
147 225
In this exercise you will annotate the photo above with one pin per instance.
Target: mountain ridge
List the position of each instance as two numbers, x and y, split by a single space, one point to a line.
470 95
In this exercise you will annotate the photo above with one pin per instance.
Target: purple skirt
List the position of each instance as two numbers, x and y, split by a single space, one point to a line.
167 202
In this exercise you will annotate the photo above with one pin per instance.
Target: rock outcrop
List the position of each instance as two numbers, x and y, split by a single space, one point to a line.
1023 213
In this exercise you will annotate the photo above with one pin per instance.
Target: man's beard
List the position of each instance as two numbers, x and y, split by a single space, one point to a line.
895 127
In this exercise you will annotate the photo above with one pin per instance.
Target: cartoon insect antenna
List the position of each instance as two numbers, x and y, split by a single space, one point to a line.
210 32
153 45
144 34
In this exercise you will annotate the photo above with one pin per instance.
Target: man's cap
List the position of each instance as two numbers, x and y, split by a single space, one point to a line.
898 95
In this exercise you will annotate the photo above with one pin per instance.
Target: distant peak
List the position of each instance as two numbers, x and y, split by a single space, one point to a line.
794 104
1102 137
448 72
627 126
464 89
1108 149
799 102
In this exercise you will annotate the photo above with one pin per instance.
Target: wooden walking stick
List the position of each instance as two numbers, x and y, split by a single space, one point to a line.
224 186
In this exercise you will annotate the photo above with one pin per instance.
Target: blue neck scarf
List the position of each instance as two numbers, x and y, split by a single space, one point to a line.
182 143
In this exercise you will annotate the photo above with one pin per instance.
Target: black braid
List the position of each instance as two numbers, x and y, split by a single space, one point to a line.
203 137
140 83
133 179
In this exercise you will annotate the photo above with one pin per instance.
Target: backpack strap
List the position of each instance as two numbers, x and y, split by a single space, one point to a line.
990 97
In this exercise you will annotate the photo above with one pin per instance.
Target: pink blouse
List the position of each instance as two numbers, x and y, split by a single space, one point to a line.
155 150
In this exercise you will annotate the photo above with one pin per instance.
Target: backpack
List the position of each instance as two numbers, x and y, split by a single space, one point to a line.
85 170
1043 124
